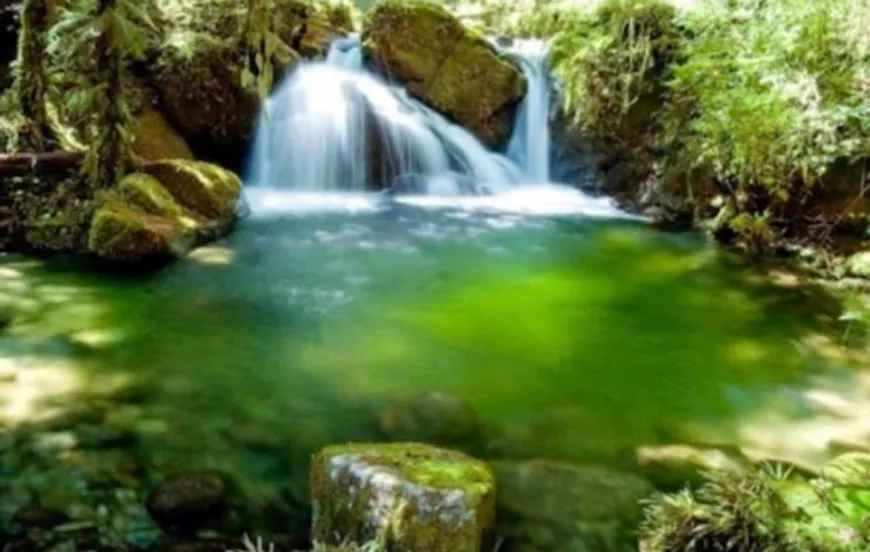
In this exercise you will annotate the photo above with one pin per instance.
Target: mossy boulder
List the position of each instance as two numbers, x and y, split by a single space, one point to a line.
155 138
419 497
206 190
446 66
122 232
546 505
164 211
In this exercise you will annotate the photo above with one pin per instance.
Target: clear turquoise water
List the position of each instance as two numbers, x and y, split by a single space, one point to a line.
573 338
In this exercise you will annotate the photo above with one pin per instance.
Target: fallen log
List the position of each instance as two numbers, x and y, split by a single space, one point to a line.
27 163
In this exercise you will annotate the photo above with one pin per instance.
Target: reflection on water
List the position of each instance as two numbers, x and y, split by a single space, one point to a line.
573 337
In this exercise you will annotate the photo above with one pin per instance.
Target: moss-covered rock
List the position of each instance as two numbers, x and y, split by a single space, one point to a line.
208 191
165 210
145 192
545 505
446 66
121 232
418 497
154 137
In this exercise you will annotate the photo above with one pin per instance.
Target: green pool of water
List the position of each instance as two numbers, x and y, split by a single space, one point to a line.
572 338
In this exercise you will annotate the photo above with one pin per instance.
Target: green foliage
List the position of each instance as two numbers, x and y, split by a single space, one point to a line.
610 61
766 511
94 41
261 43
756 98
770 93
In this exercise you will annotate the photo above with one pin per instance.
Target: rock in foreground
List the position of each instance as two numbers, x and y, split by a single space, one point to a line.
418 497
164 210
446 66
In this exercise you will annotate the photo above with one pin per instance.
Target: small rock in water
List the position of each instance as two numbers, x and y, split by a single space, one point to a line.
419 497
433 417
558 506
189 500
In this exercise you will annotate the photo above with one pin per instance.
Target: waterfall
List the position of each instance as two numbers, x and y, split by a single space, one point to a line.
334 126
529 146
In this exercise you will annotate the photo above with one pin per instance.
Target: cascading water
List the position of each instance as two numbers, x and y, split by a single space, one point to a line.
529 146
334 126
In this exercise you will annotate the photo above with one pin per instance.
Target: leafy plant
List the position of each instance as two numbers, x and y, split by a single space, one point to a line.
769 510
94 41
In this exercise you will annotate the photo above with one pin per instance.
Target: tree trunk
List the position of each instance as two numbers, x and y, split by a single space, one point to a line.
23 164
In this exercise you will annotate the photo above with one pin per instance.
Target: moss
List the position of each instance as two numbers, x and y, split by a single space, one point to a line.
411 39
147 193
445 65
408 496
154 138
206 190
121 232
472 85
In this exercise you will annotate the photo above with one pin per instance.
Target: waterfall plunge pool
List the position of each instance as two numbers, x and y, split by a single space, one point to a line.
572 337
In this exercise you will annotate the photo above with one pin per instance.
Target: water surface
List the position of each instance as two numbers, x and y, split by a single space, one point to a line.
574 337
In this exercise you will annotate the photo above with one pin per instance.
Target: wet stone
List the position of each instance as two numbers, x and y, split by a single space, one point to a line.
189 501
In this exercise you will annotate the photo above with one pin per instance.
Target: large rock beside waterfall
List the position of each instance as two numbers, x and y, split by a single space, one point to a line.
418 497
446 66
198 81
163 211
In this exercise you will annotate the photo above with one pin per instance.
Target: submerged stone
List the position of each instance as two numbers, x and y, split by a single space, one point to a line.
446 66
419 497
434 417
189 500
551 505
